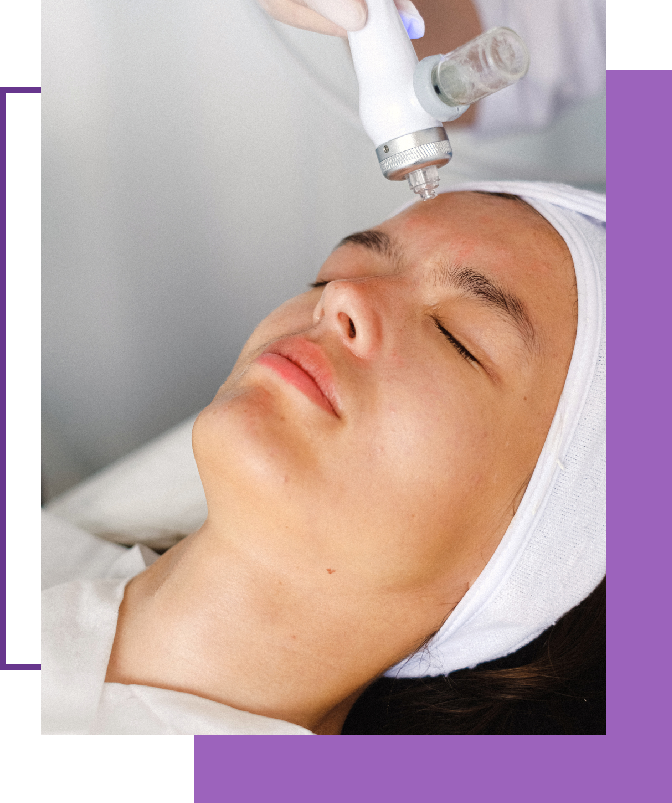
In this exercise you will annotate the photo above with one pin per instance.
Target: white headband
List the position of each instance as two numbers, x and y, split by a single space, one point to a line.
553 553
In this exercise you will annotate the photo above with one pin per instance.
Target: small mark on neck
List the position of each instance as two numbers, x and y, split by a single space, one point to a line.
331 571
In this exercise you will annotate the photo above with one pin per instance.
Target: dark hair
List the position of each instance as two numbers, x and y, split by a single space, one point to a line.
554 685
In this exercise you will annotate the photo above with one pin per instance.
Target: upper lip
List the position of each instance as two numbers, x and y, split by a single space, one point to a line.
310 358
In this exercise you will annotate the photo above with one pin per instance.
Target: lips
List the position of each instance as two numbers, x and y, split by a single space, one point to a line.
303 364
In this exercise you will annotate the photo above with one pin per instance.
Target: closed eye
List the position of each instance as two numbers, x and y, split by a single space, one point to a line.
468 356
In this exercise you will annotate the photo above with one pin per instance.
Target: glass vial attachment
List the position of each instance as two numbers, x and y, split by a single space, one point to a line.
424 181
490 62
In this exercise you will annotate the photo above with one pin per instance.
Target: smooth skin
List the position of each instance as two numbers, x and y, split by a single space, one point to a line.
337 543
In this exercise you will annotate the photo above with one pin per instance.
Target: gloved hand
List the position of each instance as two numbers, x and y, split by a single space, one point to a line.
337 17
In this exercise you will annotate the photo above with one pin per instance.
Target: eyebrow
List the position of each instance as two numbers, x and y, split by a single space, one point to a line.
459 277
376 241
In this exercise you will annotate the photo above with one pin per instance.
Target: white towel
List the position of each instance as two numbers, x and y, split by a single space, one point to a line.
553 554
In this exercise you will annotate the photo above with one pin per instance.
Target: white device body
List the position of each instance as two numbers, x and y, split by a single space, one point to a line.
402 104
385 62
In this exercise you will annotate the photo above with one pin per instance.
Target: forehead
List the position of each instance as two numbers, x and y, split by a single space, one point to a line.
504 235
504 238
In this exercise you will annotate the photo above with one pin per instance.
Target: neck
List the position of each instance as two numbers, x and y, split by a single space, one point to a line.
212 620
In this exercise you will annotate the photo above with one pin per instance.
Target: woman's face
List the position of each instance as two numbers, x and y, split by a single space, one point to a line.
381 428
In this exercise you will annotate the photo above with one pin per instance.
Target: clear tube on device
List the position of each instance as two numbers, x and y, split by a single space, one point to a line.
424 182
490 62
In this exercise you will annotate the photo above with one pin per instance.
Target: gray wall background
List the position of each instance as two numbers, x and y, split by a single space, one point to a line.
199 163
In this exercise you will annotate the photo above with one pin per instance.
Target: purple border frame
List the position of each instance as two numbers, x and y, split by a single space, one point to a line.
4 91
3 335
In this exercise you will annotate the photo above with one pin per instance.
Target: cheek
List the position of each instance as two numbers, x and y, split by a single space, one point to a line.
295 315
429 443
416 504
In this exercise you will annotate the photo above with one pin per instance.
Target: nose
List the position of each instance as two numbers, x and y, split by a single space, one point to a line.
349 309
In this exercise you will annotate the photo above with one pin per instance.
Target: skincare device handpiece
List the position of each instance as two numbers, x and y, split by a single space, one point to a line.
403 103
410 143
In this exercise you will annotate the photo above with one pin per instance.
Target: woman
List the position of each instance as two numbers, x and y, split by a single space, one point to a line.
373 475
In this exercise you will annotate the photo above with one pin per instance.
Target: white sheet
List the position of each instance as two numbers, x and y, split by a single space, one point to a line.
153 496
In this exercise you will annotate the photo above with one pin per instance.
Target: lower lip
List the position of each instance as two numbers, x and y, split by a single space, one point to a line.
296 376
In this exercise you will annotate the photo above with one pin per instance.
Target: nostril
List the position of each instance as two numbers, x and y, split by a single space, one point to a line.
348 325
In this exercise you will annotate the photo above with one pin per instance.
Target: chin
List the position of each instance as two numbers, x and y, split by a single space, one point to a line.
245 445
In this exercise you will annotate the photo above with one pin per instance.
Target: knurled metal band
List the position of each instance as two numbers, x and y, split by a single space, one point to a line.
420 156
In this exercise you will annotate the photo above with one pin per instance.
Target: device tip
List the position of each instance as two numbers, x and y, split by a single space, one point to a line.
424 182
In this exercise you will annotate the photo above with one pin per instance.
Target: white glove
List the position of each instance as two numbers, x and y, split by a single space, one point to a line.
337 17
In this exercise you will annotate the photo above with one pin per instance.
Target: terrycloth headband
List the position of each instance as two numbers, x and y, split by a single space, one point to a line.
553 553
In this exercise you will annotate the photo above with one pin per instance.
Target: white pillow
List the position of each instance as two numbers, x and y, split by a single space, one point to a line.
153 496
